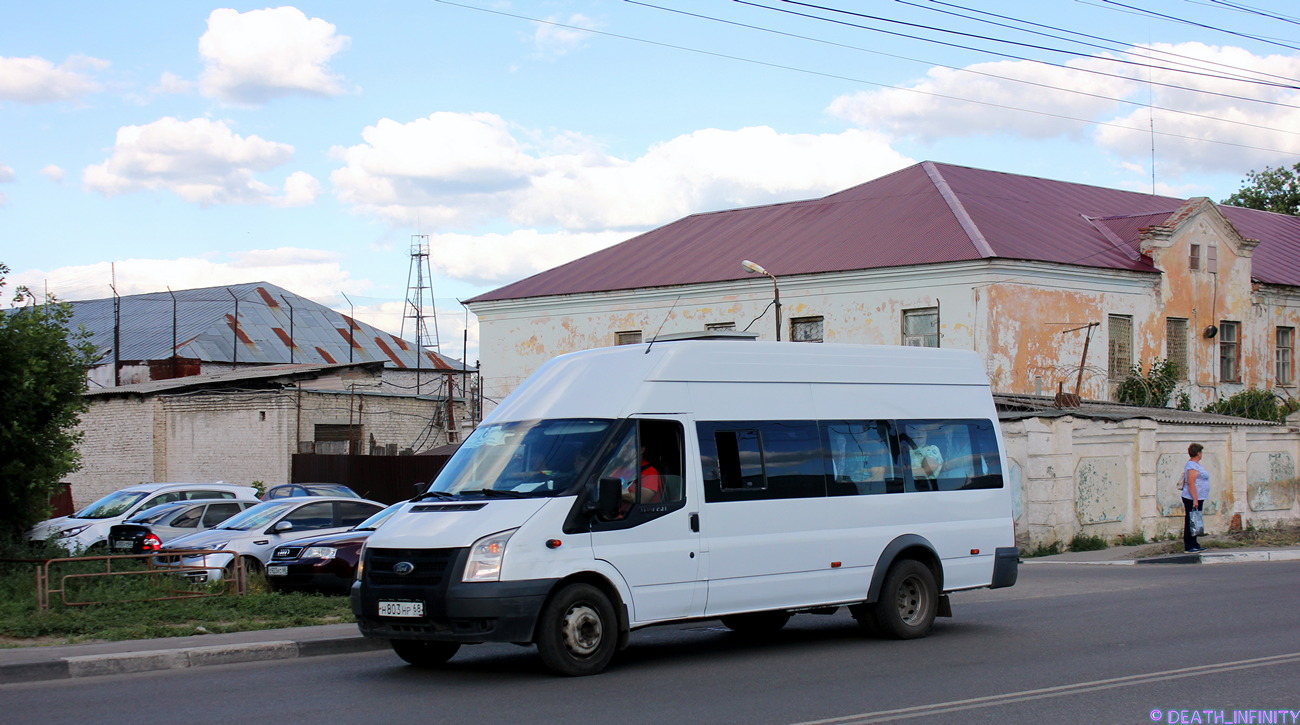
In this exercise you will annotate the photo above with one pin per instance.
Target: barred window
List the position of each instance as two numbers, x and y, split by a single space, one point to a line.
630 337
720 326
1176 345
1230 352
1285 355
1120 347
806 329
921 327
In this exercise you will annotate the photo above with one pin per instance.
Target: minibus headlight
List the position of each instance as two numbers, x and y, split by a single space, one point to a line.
361 562
485 557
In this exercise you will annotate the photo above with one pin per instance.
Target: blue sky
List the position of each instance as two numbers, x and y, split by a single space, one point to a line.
182 144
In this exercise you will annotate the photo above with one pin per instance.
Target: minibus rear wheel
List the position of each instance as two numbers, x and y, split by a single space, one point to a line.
756 622
577 631
424 653
908 603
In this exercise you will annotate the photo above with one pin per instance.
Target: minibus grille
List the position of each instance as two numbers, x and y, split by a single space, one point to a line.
430 566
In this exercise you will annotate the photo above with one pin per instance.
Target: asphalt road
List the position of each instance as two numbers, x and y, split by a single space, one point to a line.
1068 644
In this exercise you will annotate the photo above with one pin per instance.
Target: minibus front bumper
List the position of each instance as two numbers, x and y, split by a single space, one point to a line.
446 609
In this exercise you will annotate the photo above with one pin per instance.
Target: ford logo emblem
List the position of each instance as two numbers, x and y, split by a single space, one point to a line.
402 568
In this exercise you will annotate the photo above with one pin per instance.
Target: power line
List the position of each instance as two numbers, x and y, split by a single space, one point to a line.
1143 11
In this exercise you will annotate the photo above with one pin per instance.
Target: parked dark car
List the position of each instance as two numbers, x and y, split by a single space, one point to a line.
289 490
323 563
148 530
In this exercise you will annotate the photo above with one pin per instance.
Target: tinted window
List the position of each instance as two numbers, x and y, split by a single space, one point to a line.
218 512
189 518
353 513
318 515
191 495
950 455
759 460
861 459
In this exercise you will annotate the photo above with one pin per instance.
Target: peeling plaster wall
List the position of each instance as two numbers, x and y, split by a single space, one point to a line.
1114 479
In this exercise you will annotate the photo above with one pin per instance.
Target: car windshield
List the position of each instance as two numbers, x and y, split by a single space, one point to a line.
529 458
373 522
259 516
114 504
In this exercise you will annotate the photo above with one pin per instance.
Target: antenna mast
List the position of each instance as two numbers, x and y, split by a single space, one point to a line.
419 287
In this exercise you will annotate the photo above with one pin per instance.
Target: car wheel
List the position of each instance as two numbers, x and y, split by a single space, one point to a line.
754 623
909 601
424 653
577 631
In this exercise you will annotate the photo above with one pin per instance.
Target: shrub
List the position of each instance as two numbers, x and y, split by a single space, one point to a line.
1255 403
1087 542
1133 539
1153 389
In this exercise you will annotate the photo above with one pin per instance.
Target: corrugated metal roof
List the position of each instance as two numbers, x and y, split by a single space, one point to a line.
261 376
1015 407
274 326
924 214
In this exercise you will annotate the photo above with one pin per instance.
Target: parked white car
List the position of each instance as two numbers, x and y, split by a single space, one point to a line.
89 527
254 534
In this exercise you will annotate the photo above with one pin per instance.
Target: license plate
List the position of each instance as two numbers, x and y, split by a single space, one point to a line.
122 544
401 609
277 571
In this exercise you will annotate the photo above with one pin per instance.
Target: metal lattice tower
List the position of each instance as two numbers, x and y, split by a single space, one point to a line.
419 287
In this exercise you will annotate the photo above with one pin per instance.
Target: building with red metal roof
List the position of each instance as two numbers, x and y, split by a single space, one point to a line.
1026 271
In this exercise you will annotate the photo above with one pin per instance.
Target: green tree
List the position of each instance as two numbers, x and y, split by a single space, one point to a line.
1255 403
1276 190
42 384
1152 390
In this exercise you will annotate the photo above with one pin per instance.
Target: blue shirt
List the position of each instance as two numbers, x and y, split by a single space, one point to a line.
1202 481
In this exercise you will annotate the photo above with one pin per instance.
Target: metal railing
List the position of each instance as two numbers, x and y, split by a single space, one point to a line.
168 566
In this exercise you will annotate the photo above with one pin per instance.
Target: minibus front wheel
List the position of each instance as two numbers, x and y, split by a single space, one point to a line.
577 631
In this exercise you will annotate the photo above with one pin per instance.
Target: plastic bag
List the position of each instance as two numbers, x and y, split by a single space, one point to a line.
1198 523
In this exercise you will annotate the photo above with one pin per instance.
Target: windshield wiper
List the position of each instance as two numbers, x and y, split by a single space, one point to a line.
499 492
434 494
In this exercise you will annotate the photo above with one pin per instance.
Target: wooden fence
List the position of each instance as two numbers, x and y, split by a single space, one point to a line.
386 479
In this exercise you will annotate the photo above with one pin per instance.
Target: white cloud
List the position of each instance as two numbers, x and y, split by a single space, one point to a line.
930 118
7 174
53 173
201 161
254 57
36 80
170 83
552 40
457 171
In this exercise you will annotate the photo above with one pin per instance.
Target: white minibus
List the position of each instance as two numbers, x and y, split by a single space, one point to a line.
663 482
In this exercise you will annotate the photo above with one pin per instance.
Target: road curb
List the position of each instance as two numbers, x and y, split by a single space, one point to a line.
181 658
1213 557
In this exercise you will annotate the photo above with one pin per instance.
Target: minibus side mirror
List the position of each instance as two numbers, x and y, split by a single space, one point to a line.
609 493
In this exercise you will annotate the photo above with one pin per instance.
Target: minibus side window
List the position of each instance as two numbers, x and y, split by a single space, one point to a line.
740 460
754 460
647 461
949 455
859 459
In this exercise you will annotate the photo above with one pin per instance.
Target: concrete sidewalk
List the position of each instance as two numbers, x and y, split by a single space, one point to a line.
61 662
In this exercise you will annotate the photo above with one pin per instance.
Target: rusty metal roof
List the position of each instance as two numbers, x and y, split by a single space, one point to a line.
274 326
924 214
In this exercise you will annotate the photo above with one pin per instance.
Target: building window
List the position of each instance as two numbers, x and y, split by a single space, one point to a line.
630 337
921 327
1194 259
720 326
806 329
1212 259
1285 355
1230 352
1120 347
1176 344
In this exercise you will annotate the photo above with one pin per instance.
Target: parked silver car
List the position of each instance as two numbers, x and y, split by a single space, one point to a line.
148 530
254 534
89 527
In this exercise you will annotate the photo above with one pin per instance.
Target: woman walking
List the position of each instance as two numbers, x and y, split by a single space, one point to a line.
1196 486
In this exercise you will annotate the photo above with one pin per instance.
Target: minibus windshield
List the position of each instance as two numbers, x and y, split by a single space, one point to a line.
527 458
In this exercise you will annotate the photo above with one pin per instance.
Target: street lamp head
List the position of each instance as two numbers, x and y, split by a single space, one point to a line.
753 268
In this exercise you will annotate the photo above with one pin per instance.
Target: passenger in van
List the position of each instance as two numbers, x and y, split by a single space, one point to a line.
926 458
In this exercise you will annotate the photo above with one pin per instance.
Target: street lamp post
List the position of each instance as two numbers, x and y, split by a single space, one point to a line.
753 268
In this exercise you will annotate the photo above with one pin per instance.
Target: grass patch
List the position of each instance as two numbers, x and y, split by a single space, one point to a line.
1087 542
1137 539
118 618
1051 549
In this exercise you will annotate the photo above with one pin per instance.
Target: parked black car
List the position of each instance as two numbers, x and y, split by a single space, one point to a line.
323 563
150 529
